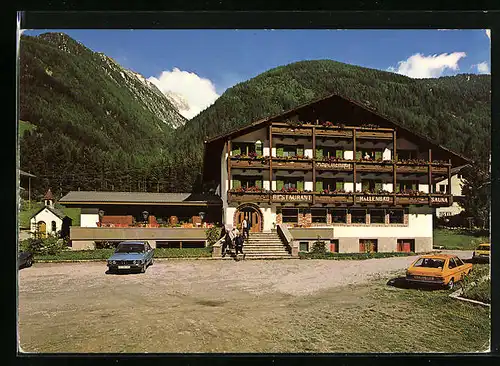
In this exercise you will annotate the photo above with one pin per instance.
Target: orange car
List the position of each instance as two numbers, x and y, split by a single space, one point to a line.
438 269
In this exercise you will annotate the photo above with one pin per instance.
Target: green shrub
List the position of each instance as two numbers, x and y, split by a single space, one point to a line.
318 247
33 245
50 245
480 292
213 235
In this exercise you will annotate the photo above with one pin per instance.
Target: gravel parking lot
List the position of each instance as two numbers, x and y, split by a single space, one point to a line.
186 305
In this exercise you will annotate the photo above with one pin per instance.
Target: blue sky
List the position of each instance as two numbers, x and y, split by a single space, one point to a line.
226 57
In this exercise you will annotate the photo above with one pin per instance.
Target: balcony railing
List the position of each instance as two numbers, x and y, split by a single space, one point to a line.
292 163
347 198
247 162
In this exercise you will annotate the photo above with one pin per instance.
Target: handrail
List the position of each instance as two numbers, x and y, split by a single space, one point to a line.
287 238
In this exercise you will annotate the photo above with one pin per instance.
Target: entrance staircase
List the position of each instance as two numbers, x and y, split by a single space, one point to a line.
265 246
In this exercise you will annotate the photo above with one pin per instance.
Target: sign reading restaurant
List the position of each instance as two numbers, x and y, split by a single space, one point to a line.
373 199
291 197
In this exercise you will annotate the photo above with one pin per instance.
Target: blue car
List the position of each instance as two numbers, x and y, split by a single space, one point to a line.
131 255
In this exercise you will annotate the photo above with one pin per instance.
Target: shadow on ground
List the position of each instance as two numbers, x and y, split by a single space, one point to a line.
400 282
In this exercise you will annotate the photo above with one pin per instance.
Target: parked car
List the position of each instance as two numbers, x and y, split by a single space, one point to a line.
438 269
131 255
25 259
482 253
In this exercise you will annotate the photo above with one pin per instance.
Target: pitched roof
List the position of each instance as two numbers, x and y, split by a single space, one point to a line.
331 96
87 197
55 211
48 195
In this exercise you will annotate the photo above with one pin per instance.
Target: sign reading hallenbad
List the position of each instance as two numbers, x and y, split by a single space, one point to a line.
373 199
292 197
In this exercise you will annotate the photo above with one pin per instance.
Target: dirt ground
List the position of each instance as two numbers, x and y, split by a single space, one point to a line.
213 306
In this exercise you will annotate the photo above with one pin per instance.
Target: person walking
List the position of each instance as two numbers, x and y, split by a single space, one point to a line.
244 224
227 241
239 244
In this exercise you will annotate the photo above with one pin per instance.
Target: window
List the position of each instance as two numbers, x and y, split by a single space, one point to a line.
368 245
407 186
358 216
396 216
377 216
54 226
242 148
290 215
339 216
458 261
290 183
304 246
369 154
329 152
318 215
406 154
451 263
242 181
329 184
289 150
371 185
429 263
442 188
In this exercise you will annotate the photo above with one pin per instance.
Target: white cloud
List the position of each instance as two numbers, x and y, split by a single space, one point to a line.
483 68
190 92
488 33
419 66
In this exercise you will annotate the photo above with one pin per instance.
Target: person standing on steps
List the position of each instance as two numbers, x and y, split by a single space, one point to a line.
239 244
227 241
244 224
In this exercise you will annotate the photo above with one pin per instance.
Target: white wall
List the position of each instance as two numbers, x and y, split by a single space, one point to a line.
423 188
386 155
348 186
89 220
46 216
349 155
308 186
454 209
269 216
308 153
387 187
224 183
456 185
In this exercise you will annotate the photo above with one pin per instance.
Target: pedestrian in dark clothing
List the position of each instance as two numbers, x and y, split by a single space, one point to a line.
227 243
239 245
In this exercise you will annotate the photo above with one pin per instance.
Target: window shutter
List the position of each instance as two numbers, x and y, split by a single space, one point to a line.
378 155
378 186
258 183
236 150
358 155
300 185
258 149
365 185
414 186
319 154
300 150
279 185
236 183
339 154
279 151
398 189
319 186
339 185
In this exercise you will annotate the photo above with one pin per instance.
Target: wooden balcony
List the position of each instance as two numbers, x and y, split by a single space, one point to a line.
374 167
375 135
411 168
298 197
412 200
291 131
439 169
334 132
247 163
298 164
334 198
247 197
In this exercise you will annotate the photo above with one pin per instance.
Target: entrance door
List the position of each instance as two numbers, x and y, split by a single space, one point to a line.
42 229
253 217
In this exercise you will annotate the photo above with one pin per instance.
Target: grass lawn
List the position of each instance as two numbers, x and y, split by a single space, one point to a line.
102 254
457 239
481 291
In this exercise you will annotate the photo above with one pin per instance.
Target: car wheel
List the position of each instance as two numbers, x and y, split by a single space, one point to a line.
451 284
29 263
151 263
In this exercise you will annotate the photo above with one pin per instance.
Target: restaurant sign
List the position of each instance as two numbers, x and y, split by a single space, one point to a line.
373 199
292 197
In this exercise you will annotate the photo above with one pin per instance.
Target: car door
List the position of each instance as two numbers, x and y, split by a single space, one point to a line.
461 267
149 252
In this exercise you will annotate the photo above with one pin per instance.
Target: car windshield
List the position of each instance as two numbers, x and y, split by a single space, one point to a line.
130 248
483 247
429 263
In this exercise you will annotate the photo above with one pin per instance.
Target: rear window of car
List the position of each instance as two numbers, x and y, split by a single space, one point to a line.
429 263
130 248
483 247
